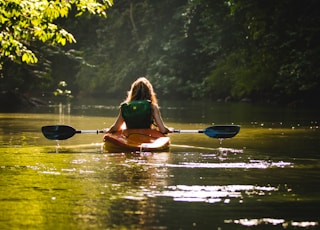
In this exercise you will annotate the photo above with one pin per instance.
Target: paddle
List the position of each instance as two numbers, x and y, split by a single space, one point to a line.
63 132
216 131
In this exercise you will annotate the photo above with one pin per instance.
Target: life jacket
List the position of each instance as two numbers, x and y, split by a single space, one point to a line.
137 114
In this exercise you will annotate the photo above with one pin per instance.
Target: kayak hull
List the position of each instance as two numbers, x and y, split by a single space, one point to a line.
132 140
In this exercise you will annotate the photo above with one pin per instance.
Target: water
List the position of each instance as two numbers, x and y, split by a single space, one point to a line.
267 177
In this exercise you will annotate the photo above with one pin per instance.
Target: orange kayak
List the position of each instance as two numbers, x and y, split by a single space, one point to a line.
132 140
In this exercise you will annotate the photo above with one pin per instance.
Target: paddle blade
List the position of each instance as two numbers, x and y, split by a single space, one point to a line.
222 131
58 132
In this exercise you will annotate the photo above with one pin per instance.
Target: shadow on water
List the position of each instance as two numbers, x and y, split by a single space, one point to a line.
266 177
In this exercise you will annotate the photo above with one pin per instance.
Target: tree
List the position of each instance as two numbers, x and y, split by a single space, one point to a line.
275 54
238 49
24 23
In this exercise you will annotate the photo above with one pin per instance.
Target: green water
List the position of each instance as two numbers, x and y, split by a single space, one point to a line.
267 177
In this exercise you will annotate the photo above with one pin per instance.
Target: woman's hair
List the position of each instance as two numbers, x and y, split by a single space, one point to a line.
142 89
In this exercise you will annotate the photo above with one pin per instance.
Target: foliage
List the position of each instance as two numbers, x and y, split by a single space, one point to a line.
222 50
62 91
279 39
25 21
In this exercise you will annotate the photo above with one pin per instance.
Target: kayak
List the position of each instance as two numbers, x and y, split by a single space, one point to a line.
132 140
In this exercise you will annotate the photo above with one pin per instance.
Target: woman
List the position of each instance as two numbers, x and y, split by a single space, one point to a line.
140 110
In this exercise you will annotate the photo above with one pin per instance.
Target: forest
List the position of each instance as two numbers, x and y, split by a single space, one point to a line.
232 50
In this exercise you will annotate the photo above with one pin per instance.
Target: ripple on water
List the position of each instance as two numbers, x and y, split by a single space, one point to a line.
272 221
252 164
206 194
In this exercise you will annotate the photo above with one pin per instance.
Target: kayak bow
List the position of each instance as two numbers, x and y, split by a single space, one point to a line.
129 140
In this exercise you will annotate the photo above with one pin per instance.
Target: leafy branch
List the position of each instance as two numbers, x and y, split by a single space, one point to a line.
26 21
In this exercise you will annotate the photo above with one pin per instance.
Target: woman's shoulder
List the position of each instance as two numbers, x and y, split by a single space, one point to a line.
143 104
155 107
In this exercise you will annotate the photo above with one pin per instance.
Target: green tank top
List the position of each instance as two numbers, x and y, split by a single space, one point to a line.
137 114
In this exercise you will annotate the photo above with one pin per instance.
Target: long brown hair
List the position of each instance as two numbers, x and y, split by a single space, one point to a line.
141 89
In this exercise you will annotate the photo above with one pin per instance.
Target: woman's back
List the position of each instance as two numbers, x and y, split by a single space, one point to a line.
137 114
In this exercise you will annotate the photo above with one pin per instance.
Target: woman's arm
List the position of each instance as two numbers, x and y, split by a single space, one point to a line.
117 124
158 119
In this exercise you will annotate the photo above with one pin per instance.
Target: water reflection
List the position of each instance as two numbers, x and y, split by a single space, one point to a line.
202 193
253 164
271 221
107 190
214 194
265 177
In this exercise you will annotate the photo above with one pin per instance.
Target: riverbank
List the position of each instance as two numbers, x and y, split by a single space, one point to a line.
11 101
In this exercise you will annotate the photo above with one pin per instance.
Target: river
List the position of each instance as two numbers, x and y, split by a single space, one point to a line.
266 177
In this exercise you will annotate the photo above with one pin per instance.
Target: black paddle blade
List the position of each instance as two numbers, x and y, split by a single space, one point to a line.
222 131
58 132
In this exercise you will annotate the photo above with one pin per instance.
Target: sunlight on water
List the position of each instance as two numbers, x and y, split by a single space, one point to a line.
266 177
50 172
214 194
230 150
252 164
92 147
271 221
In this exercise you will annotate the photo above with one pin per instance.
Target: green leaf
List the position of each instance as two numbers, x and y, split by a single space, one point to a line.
29 57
